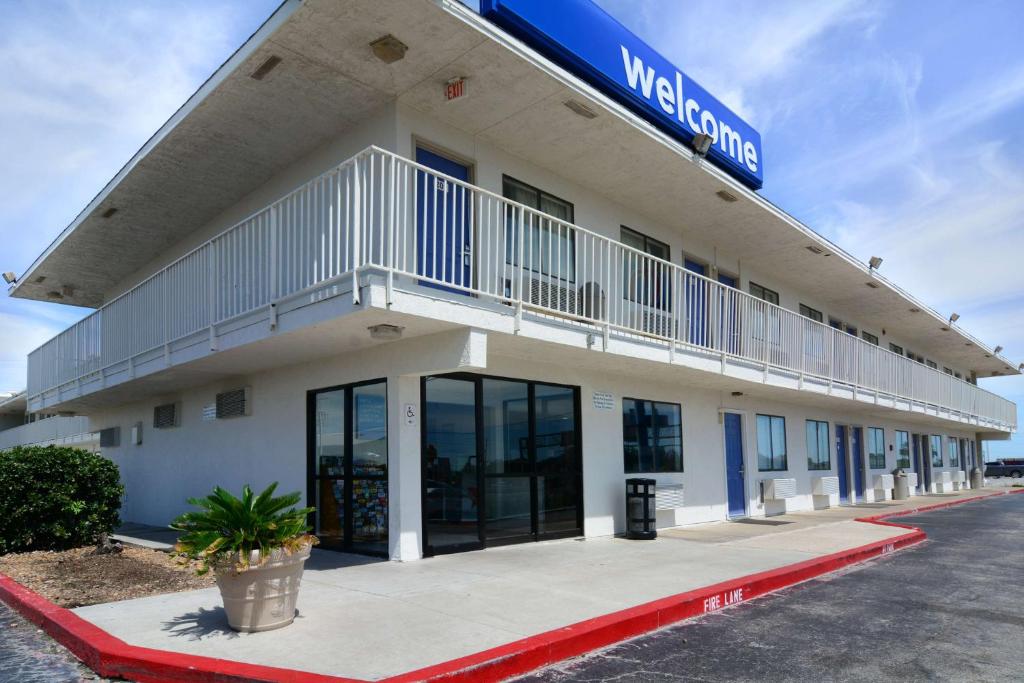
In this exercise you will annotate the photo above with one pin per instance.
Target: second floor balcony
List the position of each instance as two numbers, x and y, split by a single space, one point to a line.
418 228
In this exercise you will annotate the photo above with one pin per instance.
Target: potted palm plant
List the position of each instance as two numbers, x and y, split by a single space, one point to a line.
256 545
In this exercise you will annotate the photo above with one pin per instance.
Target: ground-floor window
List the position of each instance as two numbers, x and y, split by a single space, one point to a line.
936 450
903 449
771 443
652 436
876 448
348 466
954 452
817 446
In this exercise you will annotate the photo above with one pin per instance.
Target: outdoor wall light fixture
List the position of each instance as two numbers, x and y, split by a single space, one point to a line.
388 49
385 332
874 262
998 349
953 318
10 278
701 143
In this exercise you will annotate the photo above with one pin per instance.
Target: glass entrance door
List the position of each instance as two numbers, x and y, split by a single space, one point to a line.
501 462
348 467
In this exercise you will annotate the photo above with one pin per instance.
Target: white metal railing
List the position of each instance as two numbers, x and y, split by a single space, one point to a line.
381 211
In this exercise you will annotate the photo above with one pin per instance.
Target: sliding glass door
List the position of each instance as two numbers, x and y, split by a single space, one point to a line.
348 466
501 462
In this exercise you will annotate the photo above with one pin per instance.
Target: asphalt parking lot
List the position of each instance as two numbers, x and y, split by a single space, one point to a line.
27 655
946 610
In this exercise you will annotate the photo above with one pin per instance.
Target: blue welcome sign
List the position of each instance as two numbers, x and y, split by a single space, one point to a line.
584 39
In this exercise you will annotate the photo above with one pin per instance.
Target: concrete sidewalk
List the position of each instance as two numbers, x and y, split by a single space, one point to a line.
371 619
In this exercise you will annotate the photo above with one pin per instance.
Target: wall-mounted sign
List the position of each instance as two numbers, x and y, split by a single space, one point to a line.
584 39
603 401
409 411
210 412
455 88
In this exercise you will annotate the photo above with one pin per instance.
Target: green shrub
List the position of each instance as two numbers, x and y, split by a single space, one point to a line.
55 498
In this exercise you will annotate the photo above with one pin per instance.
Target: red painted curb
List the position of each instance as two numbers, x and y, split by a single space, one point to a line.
112 657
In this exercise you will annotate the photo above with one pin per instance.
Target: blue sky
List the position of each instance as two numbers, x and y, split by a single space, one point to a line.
891 127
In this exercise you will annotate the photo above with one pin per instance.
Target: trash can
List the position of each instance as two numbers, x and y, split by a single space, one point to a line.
977 478
640 509
901 489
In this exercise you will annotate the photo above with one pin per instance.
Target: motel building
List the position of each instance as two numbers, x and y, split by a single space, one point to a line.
457 275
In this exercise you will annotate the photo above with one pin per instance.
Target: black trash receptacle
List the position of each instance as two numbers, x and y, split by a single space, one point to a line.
640 509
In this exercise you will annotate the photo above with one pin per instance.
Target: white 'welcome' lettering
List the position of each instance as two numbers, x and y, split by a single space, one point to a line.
668 95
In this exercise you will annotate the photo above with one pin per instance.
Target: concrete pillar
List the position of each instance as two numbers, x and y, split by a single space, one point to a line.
405 519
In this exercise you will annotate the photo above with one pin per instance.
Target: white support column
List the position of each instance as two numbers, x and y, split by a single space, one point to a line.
405 519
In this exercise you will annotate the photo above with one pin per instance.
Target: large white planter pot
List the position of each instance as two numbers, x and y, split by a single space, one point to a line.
263 597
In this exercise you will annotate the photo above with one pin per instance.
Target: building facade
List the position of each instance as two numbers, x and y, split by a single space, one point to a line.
425 265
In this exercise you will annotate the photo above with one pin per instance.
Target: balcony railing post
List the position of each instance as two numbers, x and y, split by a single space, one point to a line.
357 226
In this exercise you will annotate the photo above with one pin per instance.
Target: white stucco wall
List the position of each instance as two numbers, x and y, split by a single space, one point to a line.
270 445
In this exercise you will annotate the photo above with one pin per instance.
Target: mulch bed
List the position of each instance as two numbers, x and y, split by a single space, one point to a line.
78 577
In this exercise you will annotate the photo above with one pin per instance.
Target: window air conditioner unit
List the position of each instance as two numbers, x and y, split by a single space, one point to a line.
778 489
668 497
885 482
826 486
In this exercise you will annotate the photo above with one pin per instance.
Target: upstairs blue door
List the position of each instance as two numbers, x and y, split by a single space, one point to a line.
858 463
844 475
734 465
444 230
696 303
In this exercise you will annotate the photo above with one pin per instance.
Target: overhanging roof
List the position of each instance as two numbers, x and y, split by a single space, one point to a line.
236 132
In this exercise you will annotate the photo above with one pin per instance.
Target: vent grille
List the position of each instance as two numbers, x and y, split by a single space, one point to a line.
166 416
110 437
668 497
233 403
779 489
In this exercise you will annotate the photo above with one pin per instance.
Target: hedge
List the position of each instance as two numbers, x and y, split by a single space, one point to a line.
55 498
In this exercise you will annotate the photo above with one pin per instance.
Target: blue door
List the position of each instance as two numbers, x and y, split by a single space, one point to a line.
444 230
926 462
844 475
734 465
696 303
858 463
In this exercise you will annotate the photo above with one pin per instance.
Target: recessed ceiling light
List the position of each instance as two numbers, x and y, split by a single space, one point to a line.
265 68
968 344
388 49
814 249
726 196
109 212
915 310
737 393
944 329
872 285
580 109
40 278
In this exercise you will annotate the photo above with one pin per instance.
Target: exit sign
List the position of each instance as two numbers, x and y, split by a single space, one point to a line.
455 88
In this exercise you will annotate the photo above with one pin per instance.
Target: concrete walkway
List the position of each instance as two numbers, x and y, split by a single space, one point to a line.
371 619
